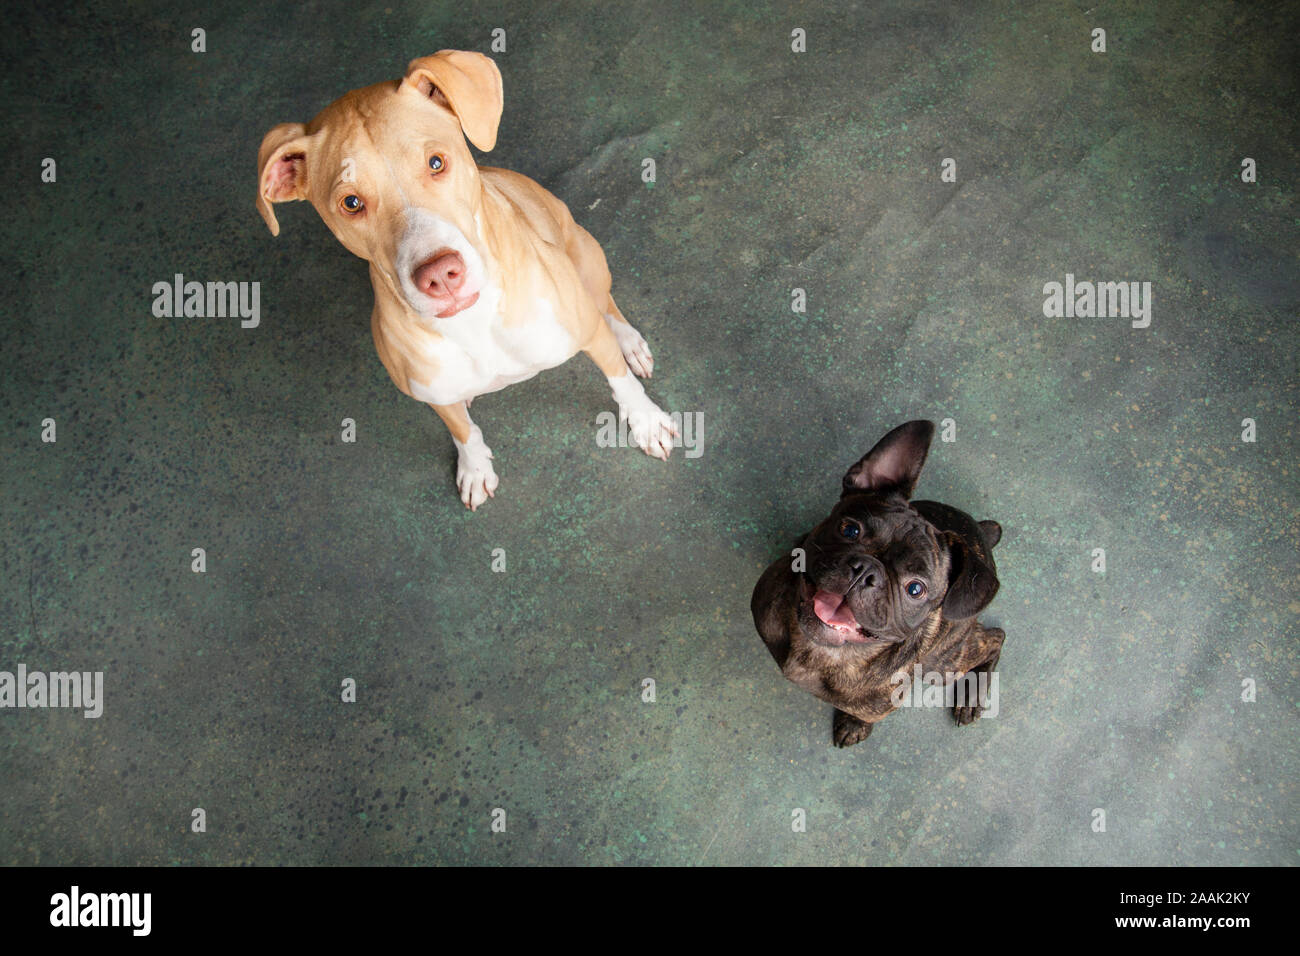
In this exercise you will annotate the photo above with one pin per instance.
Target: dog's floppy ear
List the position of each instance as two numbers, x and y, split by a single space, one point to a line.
468 84
972 584
895 463
281 169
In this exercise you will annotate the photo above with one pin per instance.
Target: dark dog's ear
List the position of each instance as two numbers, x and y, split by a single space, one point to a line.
895 463
972 584
992 532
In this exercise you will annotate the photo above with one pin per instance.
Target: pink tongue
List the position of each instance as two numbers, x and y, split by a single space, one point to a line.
832 609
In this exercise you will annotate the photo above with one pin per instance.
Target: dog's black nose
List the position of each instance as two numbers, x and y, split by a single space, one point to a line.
867 573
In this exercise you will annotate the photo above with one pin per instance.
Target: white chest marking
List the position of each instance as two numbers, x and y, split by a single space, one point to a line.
474 353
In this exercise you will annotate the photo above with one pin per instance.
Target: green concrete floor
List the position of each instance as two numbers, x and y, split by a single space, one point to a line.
521 690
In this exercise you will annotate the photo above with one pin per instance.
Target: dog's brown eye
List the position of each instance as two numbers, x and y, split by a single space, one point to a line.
437 163
849 529
915 589
351 204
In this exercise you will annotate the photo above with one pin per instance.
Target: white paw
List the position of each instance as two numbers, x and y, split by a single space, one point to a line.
475 477
635 351
651 429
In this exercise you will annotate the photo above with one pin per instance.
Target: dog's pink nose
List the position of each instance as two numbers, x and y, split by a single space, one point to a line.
442 276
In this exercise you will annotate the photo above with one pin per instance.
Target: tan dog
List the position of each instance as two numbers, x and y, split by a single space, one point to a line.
481 276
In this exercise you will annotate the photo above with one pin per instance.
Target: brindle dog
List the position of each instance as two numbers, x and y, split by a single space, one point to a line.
885 583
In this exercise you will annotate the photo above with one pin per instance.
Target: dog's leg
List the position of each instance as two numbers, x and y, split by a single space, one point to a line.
968 711
589 260
474 474
635 351
651 429
848 730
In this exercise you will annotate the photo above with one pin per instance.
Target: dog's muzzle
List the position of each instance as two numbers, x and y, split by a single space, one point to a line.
442 279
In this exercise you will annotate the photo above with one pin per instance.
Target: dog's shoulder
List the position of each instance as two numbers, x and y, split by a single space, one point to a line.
543 210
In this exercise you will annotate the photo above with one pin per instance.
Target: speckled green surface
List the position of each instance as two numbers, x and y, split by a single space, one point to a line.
522 690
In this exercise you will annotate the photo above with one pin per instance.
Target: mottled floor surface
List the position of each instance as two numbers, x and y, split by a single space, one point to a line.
521 690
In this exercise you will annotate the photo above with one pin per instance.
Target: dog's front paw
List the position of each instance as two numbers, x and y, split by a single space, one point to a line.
848 730
651 429
968 692
475 477
635 351
967 713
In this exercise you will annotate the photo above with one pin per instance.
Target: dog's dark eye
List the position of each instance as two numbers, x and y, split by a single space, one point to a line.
849 529
436 163
915 589
351 204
